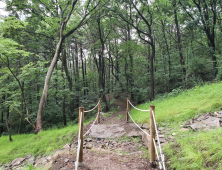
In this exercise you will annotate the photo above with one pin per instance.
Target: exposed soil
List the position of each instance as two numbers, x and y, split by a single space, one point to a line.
108 154
102 159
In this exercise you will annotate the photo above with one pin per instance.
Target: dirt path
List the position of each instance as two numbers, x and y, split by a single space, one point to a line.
118 152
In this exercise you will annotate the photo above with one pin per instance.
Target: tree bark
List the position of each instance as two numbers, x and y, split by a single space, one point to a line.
46 87
62 37
168 53
71 104
2 121
64 97
179 43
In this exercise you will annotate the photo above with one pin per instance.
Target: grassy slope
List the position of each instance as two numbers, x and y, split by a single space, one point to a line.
198 150
43 143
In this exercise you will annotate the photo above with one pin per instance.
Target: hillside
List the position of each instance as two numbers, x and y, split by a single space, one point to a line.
184 149
192 149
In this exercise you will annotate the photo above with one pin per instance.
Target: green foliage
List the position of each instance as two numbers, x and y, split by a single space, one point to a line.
45 142
197 150
120 117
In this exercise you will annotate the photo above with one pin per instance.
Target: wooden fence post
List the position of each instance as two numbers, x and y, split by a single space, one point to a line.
152 136
99 108
81 109
127 110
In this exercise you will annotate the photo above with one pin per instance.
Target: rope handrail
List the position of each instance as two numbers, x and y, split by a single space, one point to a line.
138 125
79 143
92 125
158 139
157 154
137 108
92 108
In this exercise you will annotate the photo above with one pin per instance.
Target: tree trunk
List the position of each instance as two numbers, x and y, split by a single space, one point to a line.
101 69
77 73
46 87
179 43
168 53
8 125
2 127
131 61
64 98
152 72
83 72
71 104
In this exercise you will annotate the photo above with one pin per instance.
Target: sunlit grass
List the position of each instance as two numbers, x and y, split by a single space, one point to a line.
191 150
43 143
186 105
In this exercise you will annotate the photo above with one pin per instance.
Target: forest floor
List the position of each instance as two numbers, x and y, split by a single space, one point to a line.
122 152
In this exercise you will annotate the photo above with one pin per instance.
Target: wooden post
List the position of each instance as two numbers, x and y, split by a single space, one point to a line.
152 136
99 108
127 110
81 109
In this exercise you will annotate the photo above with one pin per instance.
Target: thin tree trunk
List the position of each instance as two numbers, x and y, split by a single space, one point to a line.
8 125
152 72
168 53
77 73
83 72
64 100
179 42
2 120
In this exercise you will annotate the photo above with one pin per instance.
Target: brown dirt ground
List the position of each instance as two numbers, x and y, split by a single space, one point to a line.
105 159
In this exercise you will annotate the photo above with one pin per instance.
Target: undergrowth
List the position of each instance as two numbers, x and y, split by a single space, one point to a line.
186 105
190 150
44 143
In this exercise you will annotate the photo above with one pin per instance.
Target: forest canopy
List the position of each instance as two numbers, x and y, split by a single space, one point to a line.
58 55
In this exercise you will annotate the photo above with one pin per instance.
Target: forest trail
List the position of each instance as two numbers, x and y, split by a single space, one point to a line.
112 144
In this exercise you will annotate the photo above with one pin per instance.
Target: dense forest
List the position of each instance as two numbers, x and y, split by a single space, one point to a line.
58 55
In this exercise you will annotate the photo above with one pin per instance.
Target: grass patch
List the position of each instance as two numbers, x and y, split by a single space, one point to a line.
184 106
44 143
197 150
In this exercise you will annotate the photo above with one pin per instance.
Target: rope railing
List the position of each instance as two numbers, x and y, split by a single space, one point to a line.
138 125
92 108
158 140
137 108
92 124
79 157
154 147
153 128
160 166
79 143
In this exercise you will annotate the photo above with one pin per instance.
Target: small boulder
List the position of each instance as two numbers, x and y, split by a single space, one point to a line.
67 146
146 139
145 126
30 161
134 134
17 161
212 121
198 125
88 146
162 140
88 139
161 128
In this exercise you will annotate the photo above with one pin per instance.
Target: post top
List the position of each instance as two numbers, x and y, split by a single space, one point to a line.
152 105
81 107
